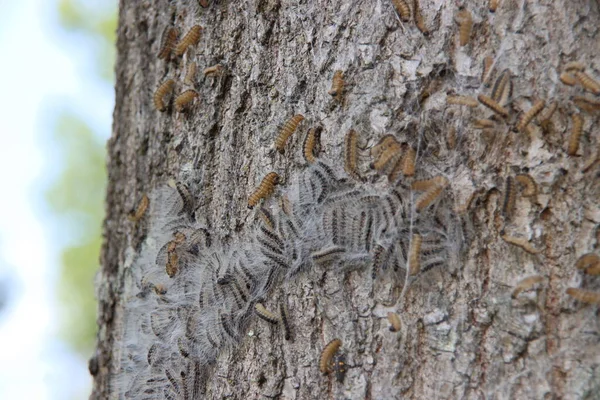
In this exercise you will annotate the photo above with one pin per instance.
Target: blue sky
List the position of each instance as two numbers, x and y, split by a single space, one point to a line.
42 73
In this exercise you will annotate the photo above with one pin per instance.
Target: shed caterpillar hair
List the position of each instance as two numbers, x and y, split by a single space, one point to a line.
191 38
327 354
287 130
165 89
402 9
190 75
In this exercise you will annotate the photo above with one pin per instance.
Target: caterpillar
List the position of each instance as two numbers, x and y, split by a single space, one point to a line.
351 155
568 79
418 18
526 284
184 101
465 26
165 89
339 366
414 254
483 123
530 187
264 190
337 84
493 5
327 354
408 165
508 205
311 144
589 263
502 89
492 105
588 83
462 100
487 71
390 152
265 314
190 76
434 189
520 242
574 66
574 138
530 114
139 212
402 9
168 40
284 319
286 131
191 38
395 323
587 104
585 296
213 70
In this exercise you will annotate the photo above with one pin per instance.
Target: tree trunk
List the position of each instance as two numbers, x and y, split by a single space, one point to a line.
463 335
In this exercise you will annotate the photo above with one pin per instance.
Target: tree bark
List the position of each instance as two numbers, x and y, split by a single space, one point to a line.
463 336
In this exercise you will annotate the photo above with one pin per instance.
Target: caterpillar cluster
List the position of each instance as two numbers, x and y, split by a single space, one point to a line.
183 316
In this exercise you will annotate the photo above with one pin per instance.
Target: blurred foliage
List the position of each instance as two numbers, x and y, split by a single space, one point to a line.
77 195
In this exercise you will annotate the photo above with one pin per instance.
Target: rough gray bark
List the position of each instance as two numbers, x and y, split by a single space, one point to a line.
463 336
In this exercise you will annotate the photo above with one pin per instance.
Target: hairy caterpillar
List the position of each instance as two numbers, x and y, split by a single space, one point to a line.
462 100
588 83
465 26
414 254
530 114
568 79
433 188
327 354
589 263
574 66
585 296
185 100
191 38
395 323
528 183
213 70
287 130
526 284
337 84
190 75
493 5
284 320
492 105
502 89
418 18
521 242
265 314
139 212
587 104
487 70
510 198
351 155
264 190
402 9
576 130
167 43
311 144
165 89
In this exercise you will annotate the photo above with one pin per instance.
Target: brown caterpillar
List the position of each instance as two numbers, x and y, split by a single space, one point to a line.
483 123
264 190
139 212
172 263
546 115
388 155
526 284
502 89
576 130
588 261
327 354
419 20
493 5
465 26
185 100
530 114
351 155
311 144
265 314
164 90
427 198
402 9
451 138
408 165
384 143
586 104
427 184
591 163
492 105
414 254
585 296
462 100
395 323
568 79
574 66
167 42
214 70
190 39
327 254
337 84
487 71
190 75
288 129
528 183
520 242
287 332
588 83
